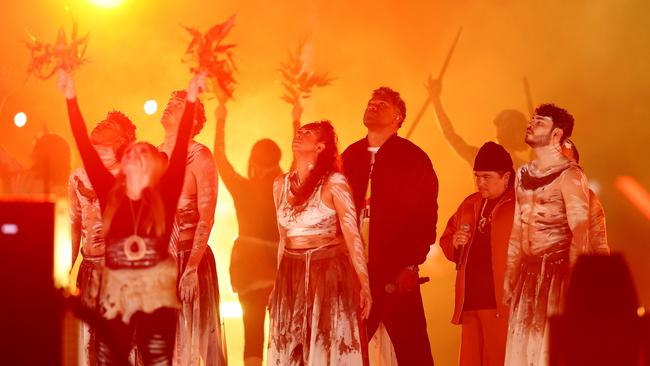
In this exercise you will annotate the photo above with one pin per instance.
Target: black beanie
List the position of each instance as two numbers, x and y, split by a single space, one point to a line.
492 157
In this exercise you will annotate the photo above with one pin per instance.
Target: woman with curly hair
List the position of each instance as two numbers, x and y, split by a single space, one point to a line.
321 291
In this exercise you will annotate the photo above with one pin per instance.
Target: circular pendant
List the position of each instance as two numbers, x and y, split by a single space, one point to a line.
134 248
481 225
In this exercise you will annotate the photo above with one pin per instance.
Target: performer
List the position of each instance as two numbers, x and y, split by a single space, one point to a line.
49 171
550 230
253 261
317 301
396 190
598 243
138 289
476 239
509 123
109 138
199 340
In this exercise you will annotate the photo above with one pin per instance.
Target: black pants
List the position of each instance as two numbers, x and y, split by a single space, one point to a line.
154 336
253 305
404 319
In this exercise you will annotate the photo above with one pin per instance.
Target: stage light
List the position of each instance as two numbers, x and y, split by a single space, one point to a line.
107 3
150 107
20 119
635 193
231 309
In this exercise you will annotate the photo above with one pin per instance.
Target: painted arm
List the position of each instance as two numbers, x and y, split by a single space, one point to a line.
597 227
575 192
278 184
75 218
514 251
462 148
296 113
205 173
347 214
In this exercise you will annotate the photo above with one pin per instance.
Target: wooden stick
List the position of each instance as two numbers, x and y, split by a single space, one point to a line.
426 103
529 97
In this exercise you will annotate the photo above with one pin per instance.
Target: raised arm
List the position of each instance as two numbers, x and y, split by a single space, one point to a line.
278 186
296 113
75 218
575 192
231 179
462 148
100 177
343 202
174 176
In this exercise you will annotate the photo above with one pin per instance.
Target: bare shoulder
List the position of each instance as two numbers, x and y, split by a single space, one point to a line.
337 178
200 159
573 174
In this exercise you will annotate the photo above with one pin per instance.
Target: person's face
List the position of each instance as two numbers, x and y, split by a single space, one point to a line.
539 131
138 160
306 141
107 133
490 184
381 113
173 113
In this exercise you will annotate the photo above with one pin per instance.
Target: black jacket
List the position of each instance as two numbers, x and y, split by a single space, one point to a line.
403 207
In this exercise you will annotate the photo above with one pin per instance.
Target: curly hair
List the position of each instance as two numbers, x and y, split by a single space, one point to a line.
327 162
561 118
392 97
199 113
126 126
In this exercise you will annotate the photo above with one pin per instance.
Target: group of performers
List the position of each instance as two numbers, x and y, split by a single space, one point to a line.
332 248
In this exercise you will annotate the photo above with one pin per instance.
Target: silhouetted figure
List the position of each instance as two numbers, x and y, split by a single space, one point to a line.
253 261
49 171
510 126
600 325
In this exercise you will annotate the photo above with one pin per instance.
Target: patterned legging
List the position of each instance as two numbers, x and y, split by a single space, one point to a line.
153 333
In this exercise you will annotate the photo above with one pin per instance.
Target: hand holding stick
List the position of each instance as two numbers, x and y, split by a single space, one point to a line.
425 105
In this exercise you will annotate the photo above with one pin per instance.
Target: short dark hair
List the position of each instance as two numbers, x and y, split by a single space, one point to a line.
561 118
199 116
393 97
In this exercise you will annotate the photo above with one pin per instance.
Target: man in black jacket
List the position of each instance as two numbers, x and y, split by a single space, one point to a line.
395 190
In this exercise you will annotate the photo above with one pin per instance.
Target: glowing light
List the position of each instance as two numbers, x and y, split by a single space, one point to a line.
641 311
150 107
231 309
20 119
107 3
62 246
635 193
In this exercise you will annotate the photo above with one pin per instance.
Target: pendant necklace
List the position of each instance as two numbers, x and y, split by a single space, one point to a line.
134 246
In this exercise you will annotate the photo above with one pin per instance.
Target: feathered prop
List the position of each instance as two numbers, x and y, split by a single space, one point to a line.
46 59
298 82
207 53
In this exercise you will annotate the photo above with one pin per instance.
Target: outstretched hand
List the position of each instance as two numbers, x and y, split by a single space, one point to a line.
434 87
196 86
65 83
296 111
